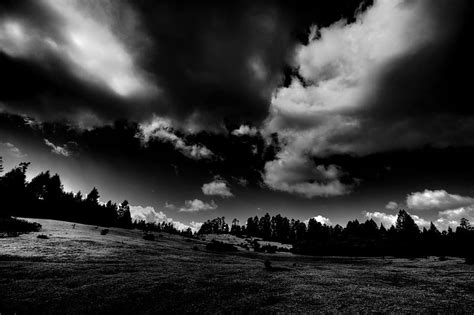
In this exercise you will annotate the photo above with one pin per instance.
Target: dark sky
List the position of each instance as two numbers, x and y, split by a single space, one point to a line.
191 110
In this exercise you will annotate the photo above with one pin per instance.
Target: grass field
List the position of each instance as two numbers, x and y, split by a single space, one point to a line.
81 271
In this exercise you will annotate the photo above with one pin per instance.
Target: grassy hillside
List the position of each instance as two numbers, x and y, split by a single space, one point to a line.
78 270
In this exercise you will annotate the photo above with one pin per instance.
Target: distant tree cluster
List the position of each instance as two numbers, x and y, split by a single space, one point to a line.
44 197
214 226
167 227
357 239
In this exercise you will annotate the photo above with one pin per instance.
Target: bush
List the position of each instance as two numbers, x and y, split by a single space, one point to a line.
104 232
149 237
42 236
14 227
221 247
269 249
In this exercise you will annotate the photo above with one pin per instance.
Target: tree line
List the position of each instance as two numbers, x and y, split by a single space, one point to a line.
44 197
404 238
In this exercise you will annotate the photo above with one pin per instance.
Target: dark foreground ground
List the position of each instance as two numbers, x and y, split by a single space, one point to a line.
81 271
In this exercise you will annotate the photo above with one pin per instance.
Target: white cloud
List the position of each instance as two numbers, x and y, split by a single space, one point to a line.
245 130
197 205
436 200
56 149
12 150
169 205
340 66
452 217
320 219
420 221
218 187
161 128
150 215
380 217
446 218
296 174
391 205
84 36
391 219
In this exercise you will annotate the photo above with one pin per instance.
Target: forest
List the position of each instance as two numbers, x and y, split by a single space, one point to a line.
404 238
44 197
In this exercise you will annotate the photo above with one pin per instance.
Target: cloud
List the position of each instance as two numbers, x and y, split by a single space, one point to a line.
12 150
296 174
160 129
452 217
436 200
197 205
380 217
320 219
245 130
391 205
83 39
150 215
358 84
391 219
78 59
169 206
203 66
56 149
90 45
218 187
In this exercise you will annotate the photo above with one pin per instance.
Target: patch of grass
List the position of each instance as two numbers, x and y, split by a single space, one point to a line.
268 266
80 272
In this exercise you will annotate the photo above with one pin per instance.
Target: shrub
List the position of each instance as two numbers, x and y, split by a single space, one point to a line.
14 227
42 236
149 237
220 247
269 249
104 232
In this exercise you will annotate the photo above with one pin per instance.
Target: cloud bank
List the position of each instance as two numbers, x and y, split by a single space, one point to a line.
356 87
437 200
150 215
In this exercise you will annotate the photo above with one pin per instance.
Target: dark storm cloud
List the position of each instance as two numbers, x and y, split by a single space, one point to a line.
203 64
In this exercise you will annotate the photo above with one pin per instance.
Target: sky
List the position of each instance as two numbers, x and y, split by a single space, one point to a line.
337 110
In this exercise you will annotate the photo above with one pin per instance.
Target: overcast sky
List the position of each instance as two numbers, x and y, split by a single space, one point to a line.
338 110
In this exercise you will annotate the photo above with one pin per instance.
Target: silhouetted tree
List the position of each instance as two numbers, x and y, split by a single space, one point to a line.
124 218
93 197
406 226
